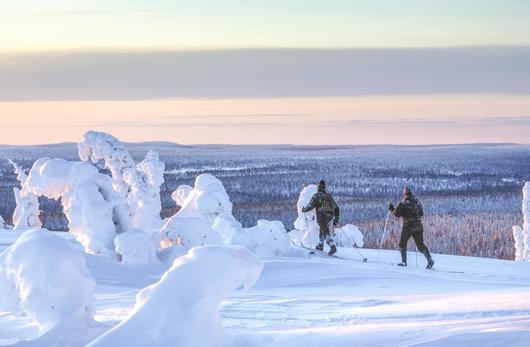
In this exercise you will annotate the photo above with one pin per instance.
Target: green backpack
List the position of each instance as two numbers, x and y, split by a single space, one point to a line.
328 204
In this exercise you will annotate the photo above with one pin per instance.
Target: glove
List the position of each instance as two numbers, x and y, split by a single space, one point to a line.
391 207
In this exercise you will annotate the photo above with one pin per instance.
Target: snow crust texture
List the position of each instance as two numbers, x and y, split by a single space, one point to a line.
45 276
182 308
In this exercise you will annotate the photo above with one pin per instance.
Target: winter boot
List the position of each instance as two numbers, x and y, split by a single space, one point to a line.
403 257
332 250
320 247
430 262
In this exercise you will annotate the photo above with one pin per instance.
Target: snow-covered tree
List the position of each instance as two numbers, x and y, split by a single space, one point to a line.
518 237
138 184
89 200
26 214
522 235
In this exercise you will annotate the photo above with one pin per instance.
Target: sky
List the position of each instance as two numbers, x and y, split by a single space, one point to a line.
289 71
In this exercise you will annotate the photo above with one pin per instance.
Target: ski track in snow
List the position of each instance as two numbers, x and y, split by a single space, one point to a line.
316 301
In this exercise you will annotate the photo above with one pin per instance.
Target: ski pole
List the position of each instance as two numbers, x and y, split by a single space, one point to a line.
383 236
307 231
354 246
416 247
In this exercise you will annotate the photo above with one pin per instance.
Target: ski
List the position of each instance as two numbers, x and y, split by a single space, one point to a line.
432 269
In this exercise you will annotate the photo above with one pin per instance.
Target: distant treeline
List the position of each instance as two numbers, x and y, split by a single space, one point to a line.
471 193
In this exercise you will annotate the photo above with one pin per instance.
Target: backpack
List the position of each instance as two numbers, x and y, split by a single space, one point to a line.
328 204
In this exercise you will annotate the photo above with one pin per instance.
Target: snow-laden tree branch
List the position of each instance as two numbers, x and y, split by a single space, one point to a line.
138 184
89 200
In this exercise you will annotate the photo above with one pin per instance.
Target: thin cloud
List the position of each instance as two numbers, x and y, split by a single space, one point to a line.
265 73
430 122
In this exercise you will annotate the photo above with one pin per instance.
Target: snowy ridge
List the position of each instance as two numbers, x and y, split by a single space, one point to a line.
124 277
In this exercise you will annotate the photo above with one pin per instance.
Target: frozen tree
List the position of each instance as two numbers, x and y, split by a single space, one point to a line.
138 184
89 201
522 235
518 237
306 226
150 205
526 224
26 214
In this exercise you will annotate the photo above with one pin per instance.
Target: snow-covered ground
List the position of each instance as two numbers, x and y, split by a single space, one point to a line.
309 301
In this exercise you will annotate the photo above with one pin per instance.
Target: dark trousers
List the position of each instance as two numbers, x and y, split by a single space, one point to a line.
416 231
325 234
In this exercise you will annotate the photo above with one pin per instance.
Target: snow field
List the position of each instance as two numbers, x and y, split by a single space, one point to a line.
181 309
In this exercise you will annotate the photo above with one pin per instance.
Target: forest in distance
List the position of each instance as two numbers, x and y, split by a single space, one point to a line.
472 194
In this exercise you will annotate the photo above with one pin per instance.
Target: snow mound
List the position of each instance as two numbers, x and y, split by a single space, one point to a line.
190 232
348 236
182 308
266 238
136 247
208 201
48 278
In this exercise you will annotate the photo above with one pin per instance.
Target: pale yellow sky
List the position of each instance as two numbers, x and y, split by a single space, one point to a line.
414 119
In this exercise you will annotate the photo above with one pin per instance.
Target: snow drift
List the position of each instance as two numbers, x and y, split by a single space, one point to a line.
205 216
190 232
46 277
208 201
266 238
182 308
136 247
348 236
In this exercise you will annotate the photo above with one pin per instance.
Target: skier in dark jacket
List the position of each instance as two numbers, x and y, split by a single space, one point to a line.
411 211
326 211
